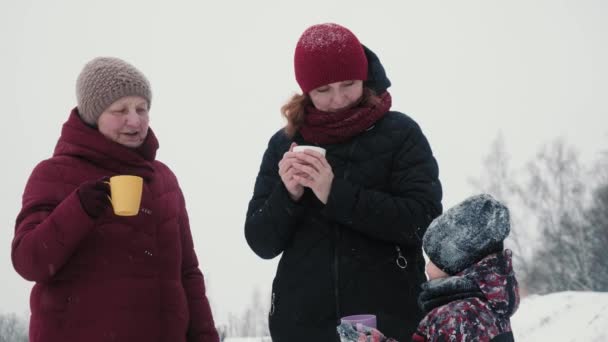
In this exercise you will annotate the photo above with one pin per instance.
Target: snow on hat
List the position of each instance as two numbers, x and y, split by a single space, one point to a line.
466 233
105 80
328 53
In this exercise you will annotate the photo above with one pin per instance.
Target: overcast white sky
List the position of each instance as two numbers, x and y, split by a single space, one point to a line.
220 70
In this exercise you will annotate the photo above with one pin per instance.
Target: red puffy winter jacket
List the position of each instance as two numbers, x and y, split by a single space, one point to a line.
111 278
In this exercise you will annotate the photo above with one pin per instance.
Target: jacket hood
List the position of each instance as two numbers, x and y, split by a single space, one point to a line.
80 140
495 278
376 75
491 279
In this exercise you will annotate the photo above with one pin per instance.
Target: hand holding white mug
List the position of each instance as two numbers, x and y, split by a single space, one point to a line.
287 173
314 172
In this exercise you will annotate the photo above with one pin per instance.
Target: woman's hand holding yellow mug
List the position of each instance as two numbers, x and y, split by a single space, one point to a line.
93 196
122 192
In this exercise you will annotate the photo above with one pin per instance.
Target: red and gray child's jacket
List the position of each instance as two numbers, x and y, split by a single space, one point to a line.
474 305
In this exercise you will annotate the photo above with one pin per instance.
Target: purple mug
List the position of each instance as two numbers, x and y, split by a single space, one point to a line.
367 320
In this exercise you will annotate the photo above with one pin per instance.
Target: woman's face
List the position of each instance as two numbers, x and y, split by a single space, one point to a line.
125 121
337 96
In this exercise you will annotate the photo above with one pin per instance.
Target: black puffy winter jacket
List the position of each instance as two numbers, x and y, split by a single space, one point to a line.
359 253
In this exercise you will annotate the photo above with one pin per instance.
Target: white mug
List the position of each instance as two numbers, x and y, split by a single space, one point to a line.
301 148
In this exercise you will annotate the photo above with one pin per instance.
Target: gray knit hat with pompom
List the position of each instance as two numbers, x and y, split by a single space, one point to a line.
105 80
466 233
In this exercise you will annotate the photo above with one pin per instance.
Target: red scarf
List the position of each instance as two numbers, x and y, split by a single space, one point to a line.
82 141
331 128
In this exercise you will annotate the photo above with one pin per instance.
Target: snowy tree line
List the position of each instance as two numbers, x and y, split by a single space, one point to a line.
252 321
559 211
12 328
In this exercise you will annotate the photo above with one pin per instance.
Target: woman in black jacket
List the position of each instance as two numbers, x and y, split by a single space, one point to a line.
348 224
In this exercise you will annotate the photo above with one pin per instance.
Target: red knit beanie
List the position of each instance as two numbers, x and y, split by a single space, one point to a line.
328 53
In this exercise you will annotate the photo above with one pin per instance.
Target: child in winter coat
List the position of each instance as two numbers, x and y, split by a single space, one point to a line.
472 291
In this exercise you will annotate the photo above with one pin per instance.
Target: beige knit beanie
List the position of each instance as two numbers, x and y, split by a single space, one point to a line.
104 80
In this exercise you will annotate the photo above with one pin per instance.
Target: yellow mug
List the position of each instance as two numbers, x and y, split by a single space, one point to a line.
126 194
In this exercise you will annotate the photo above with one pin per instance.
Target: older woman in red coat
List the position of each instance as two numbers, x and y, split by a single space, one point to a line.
102 277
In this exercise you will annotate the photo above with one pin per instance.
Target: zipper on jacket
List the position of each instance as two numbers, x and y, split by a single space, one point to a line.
401 260
336 272
338 233
350 156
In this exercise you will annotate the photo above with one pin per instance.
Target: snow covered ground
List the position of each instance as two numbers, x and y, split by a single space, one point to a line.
556 317
562 317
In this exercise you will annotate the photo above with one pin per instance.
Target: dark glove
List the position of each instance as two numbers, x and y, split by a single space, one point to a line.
94 196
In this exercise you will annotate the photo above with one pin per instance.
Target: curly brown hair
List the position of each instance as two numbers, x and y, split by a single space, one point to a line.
294 110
